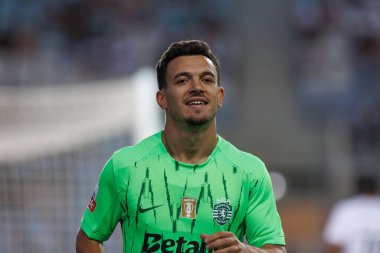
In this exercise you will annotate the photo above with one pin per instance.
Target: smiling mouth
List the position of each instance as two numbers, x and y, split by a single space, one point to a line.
197 102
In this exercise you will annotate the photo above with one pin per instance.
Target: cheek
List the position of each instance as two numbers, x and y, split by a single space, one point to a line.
174 97
172 103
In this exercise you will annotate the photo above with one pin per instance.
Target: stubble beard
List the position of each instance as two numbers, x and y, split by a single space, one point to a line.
199 122
193 122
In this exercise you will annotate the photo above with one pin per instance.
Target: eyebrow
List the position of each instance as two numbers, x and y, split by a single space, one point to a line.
187 74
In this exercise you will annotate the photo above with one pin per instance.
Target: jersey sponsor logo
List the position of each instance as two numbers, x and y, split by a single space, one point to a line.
155 243
143 210
188 208
222 211
92 204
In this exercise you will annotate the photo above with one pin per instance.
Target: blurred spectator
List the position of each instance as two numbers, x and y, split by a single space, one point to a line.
338 69
85 40
354 223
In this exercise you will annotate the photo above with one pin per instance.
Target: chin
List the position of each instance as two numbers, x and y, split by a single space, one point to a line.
198 121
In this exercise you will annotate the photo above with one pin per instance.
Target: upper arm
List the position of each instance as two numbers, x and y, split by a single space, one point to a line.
102 216
263 221
83 244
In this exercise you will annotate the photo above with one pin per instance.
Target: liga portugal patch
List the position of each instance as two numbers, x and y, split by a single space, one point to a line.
188 208
92 204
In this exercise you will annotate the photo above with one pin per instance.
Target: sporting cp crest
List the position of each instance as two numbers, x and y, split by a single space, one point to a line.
222 211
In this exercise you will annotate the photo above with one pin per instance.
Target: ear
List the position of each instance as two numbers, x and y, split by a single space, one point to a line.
161 99
220 96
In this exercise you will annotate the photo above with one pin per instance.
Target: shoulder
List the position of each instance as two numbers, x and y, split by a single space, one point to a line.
240 158
129 155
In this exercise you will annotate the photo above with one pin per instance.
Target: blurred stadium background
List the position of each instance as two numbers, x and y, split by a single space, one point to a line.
77 82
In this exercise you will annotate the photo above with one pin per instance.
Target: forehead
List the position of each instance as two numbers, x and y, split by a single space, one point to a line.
190 64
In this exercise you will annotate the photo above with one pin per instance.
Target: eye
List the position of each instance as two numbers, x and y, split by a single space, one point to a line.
181 81
208 80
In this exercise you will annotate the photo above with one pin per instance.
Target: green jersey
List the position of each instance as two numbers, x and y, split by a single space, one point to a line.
164 205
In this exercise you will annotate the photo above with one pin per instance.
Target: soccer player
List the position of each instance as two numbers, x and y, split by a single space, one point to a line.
185 188
353 225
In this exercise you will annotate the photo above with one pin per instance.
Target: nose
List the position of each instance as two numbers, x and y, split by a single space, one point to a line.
196 85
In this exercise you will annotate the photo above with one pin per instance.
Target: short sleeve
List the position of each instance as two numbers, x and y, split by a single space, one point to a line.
263 221
104 209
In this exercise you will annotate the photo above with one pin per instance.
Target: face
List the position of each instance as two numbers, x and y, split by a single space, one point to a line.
192 95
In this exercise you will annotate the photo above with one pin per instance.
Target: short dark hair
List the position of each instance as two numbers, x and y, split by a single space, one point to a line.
366 184
182 48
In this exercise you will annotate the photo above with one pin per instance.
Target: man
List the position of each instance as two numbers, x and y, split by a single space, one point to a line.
354 222
185 189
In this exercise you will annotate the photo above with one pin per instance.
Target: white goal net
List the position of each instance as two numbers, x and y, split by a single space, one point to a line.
54 141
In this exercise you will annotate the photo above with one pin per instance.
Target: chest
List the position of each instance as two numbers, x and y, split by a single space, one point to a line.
178 199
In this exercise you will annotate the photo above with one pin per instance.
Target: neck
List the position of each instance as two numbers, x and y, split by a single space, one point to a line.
192 147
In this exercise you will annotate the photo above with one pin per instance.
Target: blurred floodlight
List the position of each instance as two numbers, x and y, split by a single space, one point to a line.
146 112
279 184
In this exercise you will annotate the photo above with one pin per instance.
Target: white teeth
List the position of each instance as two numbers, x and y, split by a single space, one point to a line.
196 103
